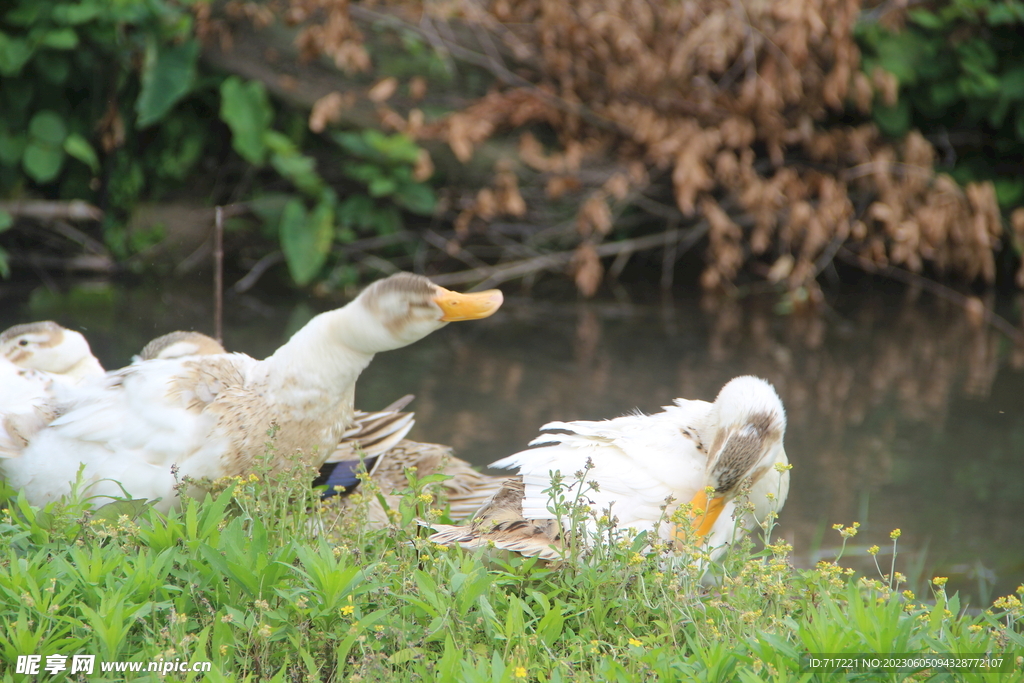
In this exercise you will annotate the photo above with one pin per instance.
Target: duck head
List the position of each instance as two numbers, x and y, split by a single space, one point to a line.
751 423
49 347
404 308
180 344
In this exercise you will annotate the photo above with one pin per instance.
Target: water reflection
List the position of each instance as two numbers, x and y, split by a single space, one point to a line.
902 414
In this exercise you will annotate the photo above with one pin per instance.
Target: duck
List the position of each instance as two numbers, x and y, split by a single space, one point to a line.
646 466
25 395
50 348
179 344
39 362
370 435
368 446
143 430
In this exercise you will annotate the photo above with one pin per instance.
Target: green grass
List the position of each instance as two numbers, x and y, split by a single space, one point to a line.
242 580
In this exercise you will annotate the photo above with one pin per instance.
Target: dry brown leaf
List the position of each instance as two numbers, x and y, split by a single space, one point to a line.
617 186
594 215
587 269
326 110
781 269
424 167
414 124
887 85
463 220
417 88
975 310
558 185
509 200
382 90
111 128
486 204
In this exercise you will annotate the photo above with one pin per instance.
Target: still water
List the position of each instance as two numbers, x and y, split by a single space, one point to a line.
901 413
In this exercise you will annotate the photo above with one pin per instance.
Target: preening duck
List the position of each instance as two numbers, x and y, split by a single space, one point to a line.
141 429
641 461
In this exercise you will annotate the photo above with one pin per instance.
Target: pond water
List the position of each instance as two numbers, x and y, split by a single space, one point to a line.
901 413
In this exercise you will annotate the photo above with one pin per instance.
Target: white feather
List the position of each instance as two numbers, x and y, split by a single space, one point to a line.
641 461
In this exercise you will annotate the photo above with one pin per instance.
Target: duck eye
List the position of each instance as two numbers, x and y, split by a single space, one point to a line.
23 342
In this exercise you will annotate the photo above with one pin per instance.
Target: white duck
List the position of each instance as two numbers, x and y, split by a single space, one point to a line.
50 348
178 345
373 443
369 435
209 416
39 362
24 397
639 461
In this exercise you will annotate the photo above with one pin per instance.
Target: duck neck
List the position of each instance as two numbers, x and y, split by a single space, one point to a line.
87 367
321 353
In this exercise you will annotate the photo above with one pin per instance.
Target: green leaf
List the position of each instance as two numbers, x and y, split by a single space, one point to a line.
1011 86
926 19
893 121
357 211
396 148
61 39
416 197
5 268
76 14
380 187
18 95
1002 13
167 76
245 108
12 147
42 162
111 512
26 14
79 148
53 66
1009 192
6 220
47 126
293 165
14 53
306 239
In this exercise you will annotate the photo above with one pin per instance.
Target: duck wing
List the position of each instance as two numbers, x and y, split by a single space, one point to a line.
637 462
499 523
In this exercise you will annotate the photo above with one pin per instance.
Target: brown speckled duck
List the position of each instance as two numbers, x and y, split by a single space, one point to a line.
208 416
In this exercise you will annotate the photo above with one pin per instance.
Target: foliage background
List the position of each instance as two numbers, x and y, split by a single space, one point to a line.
778 137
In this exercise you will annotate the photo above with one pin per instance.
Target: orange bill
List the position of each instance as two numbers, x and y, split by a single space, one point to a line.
472 306
712 508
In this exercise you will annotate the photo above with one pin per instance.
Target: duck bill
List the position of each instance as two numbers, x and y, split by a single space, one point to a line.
473 306
712 510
